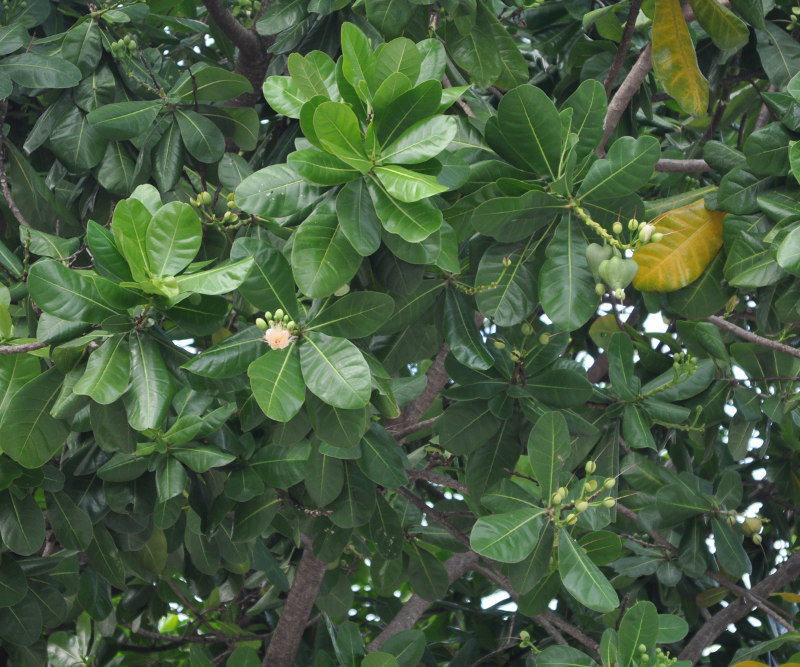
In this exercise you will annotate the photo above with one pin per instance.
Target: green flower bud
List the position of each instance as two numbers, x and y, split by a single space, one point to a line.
205 197
657 237
595 254
261 323
757 539
617 272
572 519
506 261
526 329
499 344
609 502
563 491
268 316
557 498
599 289
646 232
617 228
641 648
609 483
590 485
279 314
633 223
291 325
544 339
581 506
590 467
751 526
232 204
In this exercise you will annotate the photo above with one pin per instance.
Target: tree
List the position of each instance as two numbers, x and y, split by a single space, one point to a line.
399 332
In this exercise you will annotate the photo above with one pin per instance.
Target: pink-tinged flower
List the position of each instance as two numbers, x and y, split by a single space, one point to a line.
278 336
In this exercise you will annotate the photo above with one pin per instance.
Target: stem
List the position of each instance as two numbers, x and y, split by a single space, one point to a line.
622 49
3 178
21 349
682 166
749 336
625 94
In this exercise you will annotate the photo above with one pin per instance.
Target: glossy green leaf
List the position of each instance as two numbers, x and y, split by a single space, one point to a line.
277 383
476 52
321 168
28 433
229 357
76 142
107 372
12 37
548 447
639 626
512 296
208 84
335 371
168 158
13 585
21 523
465 426
417 104
270 284
509 537
201 137
382 459
406 185
422 141
582 578
355 315
730 553
726 29
314 73
171 478
147 400
39 71
129 226
413 222
200 458
427 576
766 150
222 279
275 191
461 333
629 165
254 516
515 218
356 504
173 238
337 129
357 217
357 59
124 120
324 477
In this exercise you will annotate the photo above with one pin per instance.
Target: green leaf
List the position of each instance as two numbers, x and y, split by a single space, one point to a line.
107 372
254 516
275 191
12 37
32 70
357 59
767 150
202 318
548 447
413 222
398 56
726 30
390 89
284 95
779 54
422 141
229 357
382 459
788 253
730 553
76 143
675 61
476 52
201 83
417 104
281 16
71 524
389 16
564 656
173 238
124 120
269 284
82 46
406 185
513 295
147 400
427 576
357 217
620 372
313 74
321 168
466 426
629 165
356 504
21 523
751 263
355 315
129 226
324 477
671 629
242 125
277 383
523 133
322 258
335 371
201 137
171 478
13 585
677 502
337 129
461 333
515 218
337 427
509 537
379 659
200 458
639 626
582 578
222 279
22 623
118 172
566 287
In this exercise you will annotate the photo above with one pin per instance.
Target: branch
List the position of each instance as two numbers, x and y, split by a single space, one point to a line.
749 336
439 480
437 380
404 431
285 640
622 49
437 516
245 39
682 166
456 566
3 178
739 608
21 349
624 95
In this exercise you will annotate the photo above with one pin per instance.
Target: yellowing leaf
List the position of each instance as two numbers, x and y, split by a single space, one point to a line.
602 329
789 597
692 237
675 61
750 663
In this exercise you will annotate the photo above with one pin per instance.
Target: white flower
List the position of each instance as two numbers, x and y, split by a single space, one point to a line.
278 336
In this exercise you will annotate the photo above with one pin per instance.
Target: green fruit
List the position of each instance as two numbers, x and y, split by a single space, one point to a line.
617 272
595 254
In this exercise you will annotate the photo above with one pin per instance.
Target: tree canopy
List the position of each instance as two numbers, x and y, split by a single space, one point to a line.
398 332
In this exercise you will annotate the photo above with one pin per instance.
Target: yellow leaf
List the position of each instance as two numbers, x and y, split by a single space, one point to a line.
675 61
602 329
789 597
692 237
750 663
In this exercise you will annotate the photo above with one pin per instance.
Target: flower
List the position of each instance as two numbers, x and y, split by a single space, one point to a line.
278 336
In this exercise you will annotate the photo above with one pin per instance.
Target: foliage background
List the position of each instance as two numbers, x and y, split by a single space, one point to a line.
415 185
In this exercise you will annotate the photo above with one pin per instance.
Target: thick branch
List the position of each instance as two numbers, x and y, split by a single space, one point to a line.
3 178
622 49
21 349
439 480
682 166
739 608
437 380
288 633
246 40
401 432
456 566
622 98
749 336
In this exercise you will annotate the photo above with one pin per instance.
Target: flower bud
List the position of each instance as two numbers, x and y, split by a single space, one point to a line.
544 339
657 237
619 293
499 344
581 506
526 329
590 485
599 289
279 314
751 526
557 498
757 539
563 491
506 261
646 232
268 316
590 467
633 223
205 197
617 227
609 502
572 519
291 325
261 323
609 483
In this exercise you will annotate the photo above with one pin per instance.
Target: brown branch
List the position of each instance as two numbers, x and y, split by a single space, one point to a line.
285 640
3 177
21 349
439 480
437 380
246 40
404 431
622 98
463 104
786 573
682 166
751 337
435 515
622 49
456 566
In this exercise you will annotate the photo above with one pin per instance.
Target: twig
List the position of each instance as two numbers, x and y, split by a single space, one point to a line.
456 567
569 629
437 380
439 480
404 431
466 107
21 349
682 166
622 49
749 336
3 177
435 515
622 98
736 610
285 640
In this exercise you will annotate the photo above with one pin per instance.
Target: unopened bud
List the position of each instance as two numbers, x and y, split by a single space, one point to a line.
756 539
291 325
563 491
599 289
657 237
646 233
581 506
279 314
526 329
590 467
499 344
751 526
544 339
609 502
590 485
619 293
205 197
506 261
557 498
268 316
572 519
633 223
261 323
617 228
609 483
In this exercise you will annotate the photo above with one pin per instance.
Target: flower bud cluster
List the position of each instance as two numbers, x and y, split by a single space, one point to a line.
591 487
279 330
123 48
